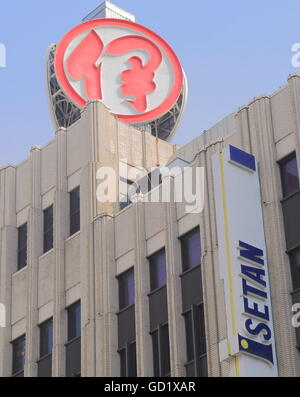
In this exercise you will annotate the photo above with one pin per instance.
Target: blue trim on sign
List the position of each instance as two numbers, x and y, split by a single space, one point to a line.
240 157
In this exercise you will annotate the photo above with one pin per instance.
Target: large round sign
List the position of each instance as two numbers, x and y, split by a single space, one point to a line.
131 69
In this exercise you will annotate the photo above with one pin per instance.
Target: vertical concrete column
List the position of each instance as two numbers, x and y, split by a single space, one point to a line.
107 359
87 273
260 119
242 122
213 289
35 244
102 152
88 211
142 288
61 233
8 260
102 135
174 290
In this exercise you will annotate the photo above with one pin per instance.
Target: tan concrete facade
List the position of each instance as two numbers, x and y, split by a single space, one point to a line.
85 265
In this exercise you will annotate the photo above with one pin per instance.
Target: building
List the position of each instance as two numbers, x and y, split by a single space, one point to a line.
106 289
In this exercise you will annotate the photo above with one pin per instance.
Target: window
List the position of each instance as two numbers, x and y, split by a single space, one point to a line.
196 342
126 289
48 229
191 250
295 272
158 310
289 175
193 305
18 355
125 186
189 332
74 321
158 273
295 268
75 211
126 325
290 209
165 350
128 361
123 363
46 338
22 246
44 364
161 351
73 346
155 346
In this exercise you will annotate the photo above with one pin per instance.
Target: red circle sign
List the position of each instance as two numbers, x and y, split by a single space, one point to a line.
131 69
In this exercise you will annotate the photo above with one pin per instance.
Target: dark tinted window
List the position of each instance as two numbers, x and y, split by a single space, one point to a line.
191 250
296 299
289 175
189 336
18 355
48 229
155 347
46 338
126 289
165 351
123 363
73 358
74 321
196 342
295 268
128 361
158 273
22 246
132 360
201 337
161 351
75 211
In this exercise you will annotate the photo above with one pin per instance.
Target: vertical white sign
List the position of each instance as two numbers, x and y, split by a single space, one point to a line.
250 347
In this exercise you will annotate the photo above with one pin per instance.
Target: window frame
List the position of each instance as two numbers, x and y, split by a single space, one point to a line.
124 204
13 343
281 163
149 258
290 254
21 249
43 324
48 231
119 278
73 338
197 355
181 238
127 349
294 290
159 331
71 346
192 308
74 213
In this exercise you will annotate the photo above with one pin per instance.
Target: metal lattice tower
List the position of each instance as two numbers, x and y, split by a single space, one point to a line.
64 113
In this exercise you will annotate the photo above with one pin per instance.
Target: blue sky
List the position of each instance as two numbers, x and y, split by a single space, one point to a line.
231 51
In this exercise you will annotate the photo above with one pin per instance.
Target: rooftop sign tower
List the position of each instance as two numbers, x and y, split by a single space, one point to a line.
109 10
131 69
